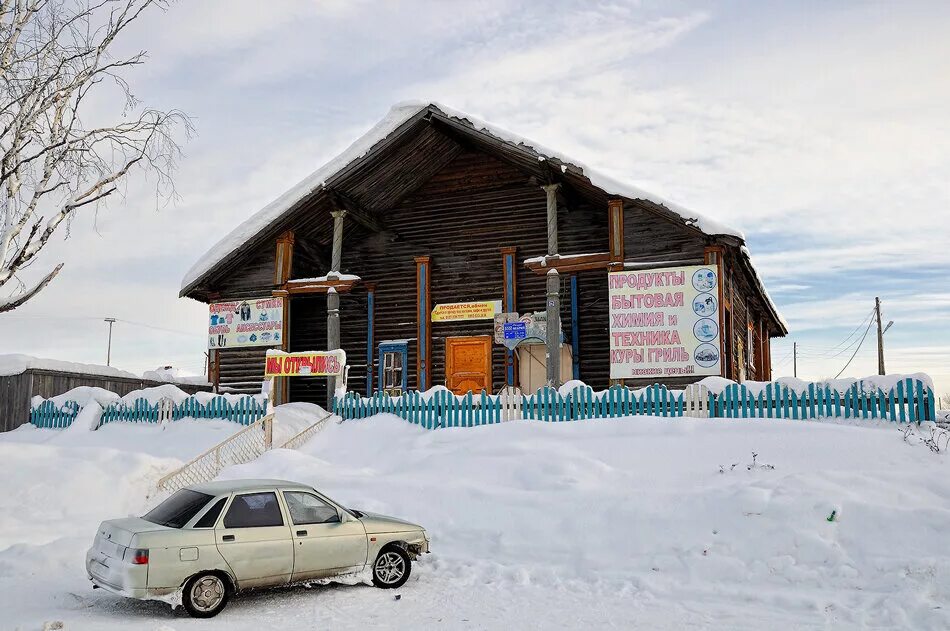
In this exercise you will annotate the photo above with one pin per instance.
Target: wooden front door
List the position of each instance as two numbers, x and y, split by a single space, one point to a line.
468 364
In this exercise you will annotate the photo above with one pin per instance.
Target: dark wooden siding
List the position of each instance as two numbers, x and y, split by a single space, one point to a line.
461 217
648 237
15 394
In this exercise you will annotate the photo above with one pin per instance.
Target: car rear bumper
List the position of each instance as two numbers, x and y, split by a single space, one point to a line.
117 576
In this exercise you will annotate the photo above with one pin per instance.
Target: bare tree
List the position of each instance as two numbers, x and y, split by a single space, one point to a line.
945 401
54 59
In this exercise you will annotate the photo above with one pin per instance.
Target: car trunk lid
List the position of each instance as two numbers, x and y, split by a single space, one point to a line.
115 535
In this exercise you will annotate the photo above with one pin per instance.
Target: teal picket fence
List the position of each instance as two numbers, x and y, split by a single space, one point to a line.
244 411
910 400
48 415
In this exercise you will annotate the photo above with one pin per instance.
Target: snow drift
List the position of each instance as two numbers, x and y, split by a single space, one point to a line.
608 523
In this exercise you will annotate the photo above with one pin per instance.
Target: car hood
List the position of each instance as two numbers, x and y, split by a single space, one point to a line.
375 523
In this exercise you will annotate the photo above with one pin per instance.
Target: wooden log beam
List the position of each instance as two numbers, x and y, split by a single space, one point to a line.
362 216
568 263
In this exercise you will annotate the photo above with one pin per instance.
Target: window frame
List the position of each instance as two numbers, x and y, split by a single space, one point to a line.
200 510
225 501
400 349
280 509
290 515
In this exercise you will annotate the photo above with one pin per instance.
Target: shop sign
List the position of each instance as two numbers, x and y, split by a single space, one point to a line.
304 364
455 311
664 322
251 322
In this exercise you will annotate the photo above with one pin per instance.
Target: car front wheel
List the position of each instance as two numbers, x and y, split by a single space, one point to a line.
392 568
205 595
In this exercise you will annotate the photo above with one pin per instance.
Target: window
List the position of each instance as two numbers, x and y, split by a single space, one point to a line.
254 510
392 367
178 509
750 348
209 519
306 508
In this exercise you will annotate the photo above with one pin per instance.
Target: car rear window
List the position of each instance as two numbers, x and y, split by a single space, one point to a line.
178 509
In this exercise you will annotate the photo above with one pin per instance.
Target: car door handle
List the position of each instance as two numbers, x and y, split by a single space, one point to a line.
301 533
227 538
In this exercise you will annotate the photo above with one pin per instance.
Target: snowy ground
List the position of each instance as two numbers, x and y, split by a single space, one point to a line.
618 524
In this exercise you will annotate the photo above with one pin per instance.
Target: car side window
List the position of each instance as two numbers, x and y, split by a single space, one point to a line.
306 508
254 510
209 519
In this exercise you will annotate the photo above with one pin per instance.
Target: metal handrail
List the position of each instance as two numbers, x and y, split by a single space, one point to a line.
265 423
313 429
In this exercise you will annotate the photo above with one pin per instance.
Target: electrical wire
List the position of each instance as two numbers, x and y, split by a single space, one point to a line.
863 337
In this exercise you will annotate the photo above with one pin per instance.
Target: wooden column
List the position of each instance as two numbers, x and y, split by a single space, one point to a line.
282 384
333 299
575 331
423 322
509 305
553 295
615 230
284 259
370 342
713 255
283 267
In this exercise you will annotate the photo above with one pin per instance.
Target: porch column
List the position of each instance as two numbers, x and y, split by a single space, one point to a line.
553 354
509 305
370 314
423 323
575 331
333 299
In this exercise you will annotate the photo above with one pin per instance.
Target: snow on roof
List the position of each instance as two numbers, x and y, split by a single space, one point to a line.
16 364
401 113
398 115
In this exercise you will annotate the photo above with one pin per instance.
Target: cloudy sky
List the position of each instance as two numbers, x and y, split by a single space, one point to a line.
819 129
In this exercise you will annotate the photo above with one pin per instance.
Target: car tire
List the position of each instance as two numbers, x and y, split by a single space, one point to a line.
205 594
391 568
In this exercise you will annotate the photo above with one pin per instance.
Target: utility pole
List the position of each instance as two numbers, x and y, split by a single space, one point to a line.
880 337
111 321
795 359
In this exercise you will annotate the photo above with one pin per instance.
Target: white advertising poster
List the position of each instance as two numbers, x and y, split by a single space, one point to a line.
252 322
664 322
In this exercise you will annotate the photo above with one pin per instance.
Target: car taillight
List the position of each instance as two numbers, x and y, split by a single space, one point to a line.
139 557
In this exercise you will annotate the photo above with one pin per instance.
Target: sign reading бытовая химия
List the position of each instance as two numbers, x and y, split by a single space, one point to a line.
664 322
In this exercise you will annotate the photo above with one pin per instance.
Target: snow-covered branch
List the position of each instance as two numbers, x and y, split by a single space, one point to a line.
53 54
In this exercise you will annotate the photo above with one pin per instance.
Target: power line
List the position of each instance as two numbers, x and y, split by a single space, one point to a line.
863 337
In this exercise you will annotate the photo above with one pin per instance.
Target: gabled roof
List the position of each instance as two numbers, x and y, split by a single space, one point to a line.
404 116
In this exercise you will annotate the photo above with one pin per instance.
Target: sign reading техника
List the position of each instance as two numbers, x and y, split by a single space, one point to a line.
453 311
305 364
664 322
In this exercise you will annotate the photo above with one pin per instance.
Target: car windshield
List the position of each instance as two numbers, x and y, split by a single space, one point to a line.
178 509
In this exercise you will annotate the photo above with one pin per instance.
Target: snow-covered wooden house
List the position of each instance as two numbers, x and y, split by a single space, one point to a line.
445 255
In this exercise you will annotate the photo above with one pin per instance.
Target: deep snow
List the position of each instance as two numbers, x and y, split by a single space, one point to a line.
624 523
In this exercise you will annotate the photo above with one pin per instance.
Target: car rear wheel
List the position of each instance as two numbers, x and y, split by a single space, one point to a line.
205 595
392 568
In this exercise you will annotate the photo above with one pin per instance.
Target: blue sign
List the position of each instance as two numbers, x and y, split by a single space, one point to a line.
515 330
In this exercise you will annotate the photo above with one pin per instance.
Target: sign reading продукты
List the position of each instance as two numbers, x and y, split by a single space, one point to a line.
664 322
252 322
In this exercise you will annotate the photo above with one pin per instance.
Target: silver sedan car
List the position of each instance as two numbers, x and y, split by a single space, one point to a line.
207 541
